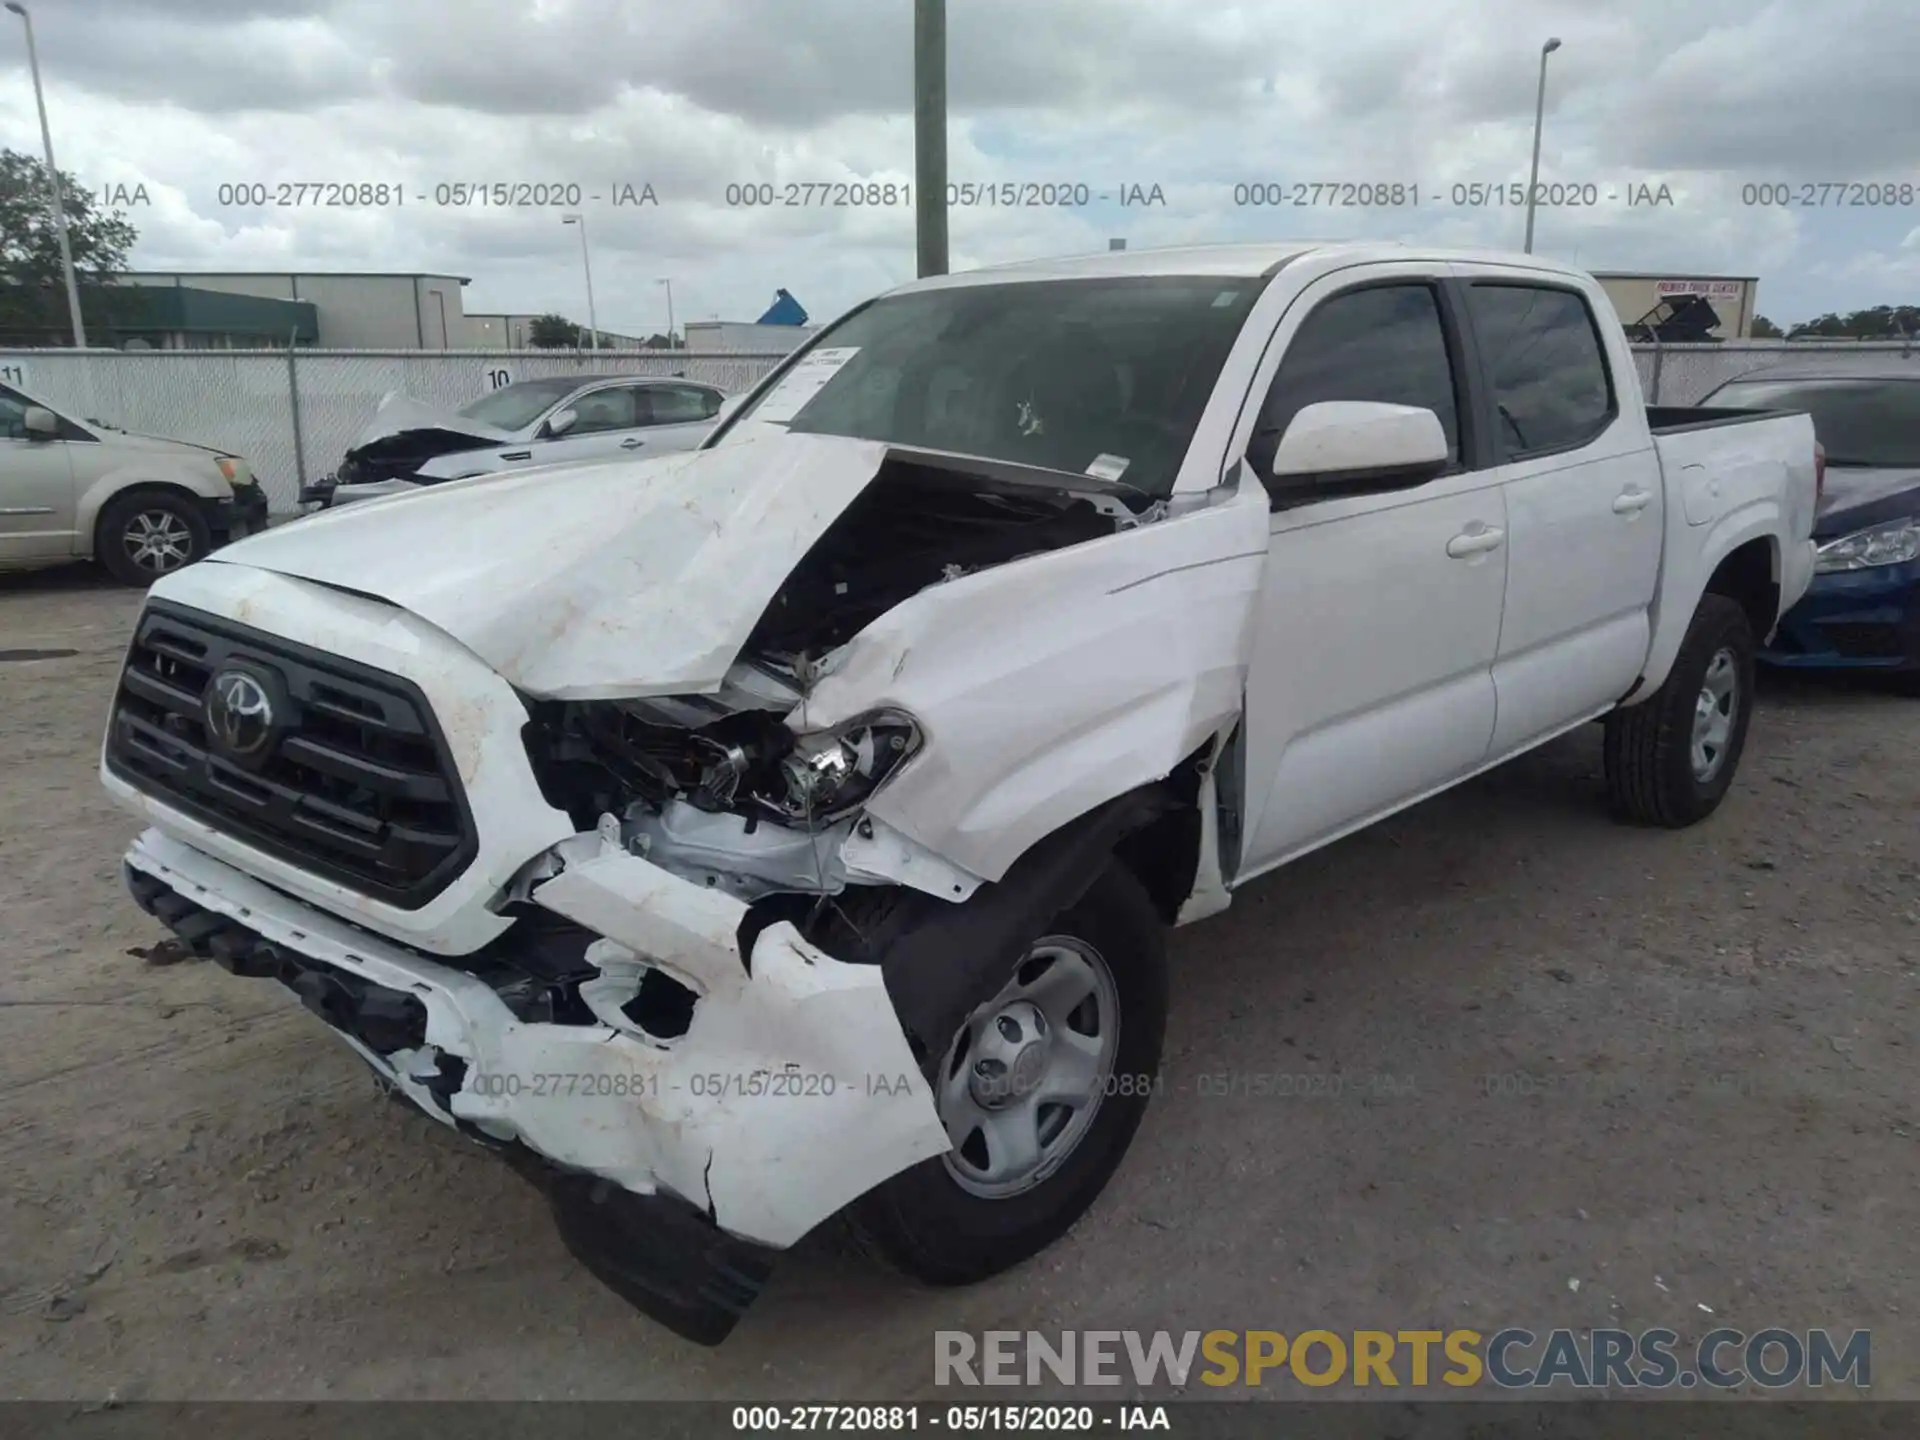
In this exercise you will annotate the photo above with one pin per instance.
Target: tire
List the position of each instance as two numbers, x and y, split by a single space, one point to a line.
935 1221
134 526
1653 769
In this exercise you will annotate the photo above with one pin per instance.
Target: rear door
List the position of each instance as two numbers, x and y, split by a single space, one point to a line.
1584 502
1371 678
36 488
681 414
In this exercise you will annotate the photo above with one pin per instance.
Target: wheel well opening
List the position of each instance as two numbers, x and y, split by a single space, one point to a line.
1748 577
156 489
1164 854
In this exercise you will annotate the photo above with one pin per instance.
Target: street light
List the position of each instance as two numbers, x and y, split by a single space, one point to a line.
593 322
54 197
669 285
1539 114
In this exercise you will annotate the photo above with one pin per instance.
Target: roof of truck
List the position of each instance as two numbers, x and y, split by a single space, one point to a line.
1242 260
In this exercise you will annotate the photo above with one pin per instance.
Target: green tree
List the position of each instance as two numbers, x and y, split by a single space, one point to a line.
1765 329
1881 322
33 299
554 332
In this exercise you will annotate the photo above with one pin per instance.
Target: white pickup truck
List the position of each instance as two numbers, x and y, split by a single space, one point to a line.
789 828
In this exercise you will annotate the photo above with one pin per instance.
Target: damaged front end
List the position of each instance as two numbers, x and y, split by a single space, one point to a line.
837 727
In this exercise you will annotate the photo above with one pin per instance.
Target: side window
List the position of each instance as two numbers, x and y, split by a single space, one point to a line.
682 404
13 416
609 409
1546 365
1384 343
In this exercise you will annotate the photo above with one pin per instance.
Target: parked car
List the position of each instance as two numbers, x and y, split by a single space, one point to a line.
141 505
1862 611
528 423
789 828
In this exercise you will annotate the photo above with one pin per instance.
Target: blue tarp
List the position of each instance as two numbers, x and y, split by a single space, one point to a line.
785 310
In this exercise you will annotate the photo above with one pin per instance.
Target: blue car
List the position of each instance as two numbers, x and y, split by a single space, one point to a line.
1862 611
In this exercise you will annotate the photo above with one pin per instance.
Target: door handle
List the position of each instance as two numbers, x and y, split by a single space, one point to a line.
1475 542
631 444
1632 502
516 454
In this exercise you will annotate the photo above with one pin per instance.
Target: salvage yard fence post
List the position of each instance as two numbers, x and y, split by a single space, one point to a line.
293 412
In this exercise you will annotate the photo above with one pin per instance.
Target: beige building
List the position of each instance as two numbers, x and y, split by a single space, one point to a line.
356 311
1676 295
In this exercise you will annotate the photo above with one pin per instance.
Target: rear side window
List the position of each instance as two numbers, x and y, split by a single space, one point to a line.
683 404
1384 343
1546 366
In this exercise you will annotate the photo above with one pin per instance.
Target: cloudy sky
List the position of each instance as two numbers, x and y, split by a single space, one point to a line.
1704 97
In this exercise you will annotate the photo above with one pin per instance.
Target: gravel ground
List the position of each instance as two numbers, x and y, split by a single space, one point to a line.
201 1196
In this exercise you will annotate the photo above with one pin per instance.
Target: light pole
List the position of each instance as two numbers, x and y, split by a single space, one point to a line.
1539 114
669 285
54 197
593 322
930 134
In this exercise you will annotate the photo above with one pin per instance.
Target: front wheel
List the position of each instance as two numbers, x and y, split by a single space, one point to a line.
1040 1091
1671 758
149 533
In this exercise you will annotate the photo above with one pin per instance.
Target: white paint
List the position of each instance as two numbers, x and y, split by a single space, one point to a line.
771 1165
1057 682
399 413
1336 435
591 581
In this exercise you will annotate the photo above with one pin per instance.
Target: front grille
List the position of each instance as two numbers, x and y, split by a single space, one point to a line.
355 784
1857 641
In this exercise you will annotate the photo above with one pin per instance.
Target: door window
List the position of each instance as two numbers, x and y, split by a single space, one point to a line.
1545 364
13 416
609 409
681 404
1383 343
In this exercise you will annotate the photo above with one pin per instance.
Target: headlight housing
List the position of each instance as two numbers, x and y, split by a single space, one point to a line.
834 772
236 470
1894 543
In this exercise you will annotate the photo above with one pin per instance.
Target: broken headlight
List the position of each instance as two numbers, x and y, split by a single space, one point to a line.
827 775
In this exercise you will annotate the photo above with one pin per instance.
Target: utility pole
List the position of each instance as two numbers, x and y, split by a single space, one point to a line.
1539 115
593 320
54 197
930 134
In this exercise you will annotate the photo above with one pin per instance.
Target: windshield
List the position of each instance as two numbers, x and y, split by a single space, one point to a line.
1101 377
1867 422
516 406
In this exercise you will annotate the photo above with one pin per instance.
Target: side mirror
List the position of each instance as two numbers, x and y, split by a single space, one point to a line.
41 423
1358 447
561 422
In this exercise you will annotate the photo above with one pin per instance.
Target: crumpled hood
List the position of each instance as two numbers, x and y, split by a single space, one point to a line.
590 581
400 413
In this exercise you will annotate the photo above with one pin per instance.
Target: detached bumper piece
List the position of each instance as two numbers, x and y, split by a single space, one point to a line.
660 1254
241 514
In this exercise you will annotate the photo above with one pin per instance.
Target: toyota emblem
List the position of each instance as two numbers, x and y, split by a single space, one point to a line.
240 715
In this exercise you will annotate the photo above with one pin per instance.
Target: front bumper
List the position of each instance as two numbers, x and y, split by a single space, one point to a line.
1853 619
677 1165
240 514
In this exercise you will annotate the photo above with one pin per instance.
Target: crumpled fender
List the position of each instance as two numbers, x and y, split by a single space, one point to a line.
799 1092
1050 685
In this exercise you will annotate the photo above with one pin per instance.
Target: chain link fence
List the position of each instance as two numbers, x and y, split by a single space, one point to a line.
294 413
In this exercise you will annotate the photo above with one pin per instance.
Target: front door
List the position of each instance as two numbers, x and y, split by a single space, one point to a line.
1371 678
36 489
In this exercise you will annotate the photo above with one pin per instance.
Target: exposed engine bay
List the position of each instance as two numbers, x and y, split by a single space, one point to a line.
734 788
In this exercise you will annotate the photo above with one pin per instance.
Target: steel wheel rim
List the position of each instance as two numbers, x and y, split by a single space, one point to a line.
157 541
1714 710
1013 1128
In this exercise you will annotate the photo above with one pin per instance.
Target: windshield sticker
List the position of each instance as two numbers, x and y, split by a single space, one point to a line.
806 380
1108 467
1225 298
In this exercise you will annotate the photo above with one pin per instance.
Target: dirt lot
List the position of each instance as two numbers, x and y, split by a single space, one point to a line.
201 1195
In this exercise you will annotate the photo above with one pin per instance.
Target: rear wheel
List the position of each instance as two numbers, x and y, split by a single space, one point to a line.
1671 758
1040 1090
145 534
